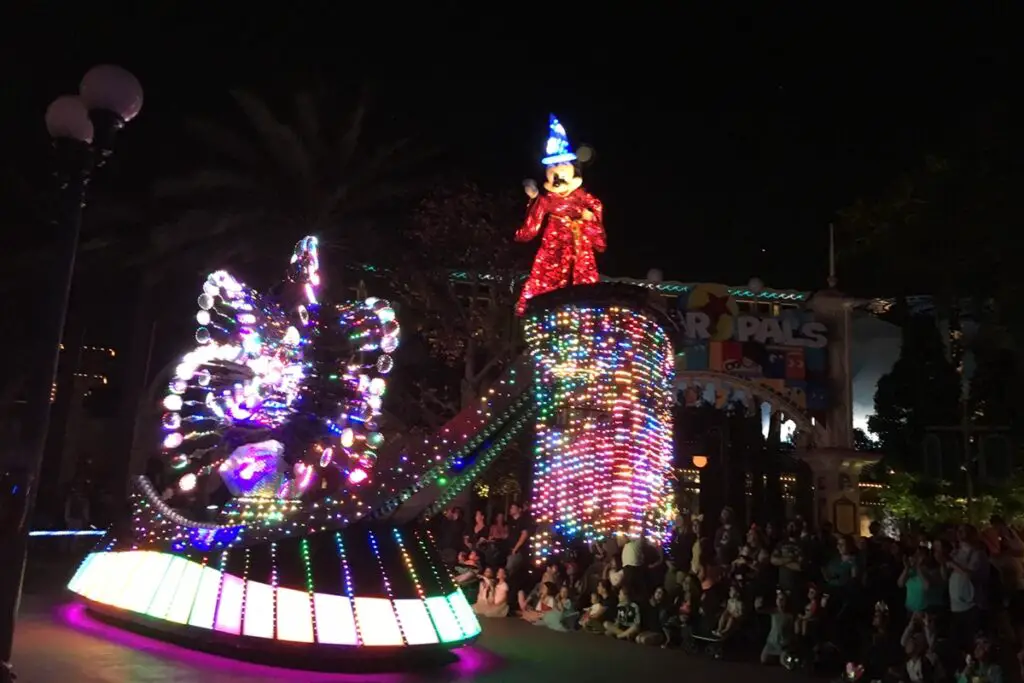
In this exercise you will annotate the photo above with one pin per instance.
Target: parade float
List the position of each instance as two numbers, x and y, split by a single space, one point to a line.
290 526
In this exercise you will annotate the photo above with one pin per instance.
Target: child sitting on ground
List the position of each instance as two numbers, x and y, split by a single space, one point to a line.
534 612
602 608
732 615
810 613
979 667
627 618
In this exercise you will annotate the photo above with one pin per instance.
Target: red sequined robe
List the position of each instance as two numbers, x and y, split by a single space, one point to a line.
566 254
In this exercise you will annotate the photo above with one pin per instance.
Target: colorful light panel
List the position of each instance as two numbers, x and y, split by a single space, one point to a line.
187 592
603 449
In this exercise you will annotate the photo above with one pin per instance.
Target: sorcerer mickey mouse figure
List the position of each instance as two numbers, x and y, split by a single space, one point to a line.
572 220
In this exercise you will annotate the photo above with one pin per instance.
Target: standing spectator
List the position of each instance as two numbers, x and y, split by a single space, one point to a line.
682 542
966 570
1007 561
477 533
788 559
450 539
632 562
613 572
499 531
728 538
519 531
840 571
922 579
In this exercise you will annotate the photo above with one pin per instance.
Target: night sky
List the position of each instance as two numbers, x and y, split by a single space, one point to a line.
726 141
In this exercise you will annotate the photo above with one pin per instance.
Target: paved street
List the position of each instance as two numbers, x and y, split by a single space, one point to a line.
57 642
60 643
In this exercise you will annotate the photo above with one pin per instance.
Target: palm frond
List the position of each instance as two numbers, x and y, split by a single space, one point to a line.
352 134
226 142
307 119
282 143
209 181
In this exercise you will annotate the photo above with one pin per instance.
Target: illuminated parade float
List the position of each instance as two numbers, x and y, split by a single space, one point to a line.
290 527
276 410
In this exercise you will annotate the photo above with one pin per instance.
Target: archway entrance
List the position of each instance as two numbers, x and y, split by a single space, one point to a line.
735 445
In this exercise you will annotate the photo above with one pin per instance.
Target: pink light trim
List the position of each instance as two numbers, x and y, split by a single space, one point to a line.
472 663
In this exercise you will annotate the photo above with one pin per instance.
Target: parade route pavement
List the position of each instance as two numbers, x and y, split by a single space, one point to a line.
59 642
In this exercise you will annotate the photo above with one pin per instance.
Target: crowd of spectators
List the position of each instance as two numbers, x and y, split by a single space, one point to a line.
942 605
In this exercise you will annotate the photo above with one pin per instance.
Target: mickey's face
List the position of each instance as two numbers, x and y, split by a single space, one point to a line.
562 179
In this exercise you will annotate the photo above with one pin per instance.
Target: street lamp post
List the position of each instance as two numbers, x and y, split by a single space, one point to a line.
83 128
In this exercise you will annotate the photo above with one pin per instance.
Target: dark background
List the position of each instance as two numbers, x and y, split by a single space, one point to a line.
726 139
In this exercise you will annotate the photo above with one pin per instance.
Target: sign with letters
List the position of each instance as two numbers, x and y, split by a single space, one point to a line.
786 353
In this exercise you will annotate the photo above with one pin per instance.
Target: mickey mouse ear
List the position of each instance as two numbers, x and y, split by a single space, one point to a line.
585 154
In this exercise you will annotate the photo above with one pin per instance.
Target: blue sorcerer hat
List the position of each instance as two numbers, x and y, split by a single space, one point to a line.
557 149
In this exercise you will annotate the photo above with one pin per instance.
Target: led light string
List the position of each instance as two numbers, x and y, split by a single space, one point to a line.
603 435
346 576
273 580
387 583
245 587
310 588
269 365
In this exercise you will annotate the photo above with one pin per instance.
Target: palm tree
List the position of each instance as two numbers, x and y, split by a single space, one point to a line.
280 178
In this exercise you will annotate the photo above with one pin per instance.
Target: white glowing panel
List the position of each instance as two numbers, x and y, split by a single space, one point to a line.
164 597
86 582
229 610
181 591
205 606
377 622
118 572
83 570
185 596
259 611
416 623
444 619
145 582
335 622
464 613
294 616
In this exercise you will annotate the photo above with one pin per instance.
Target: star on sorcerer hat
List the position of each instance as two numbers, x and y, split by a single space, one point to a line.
557 149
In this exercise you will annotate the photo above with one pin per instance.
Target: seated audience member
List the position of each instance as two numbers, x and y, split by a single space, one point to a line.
563 617
573 581
602 610
979 666
533 612
492 601
918 641
467 574
567 606
626 624
732 616
654 619
882 652
524 599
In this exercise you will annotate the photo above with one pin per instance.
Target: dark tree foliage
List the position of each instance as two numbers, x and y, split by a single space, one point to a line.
454 275
922 390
